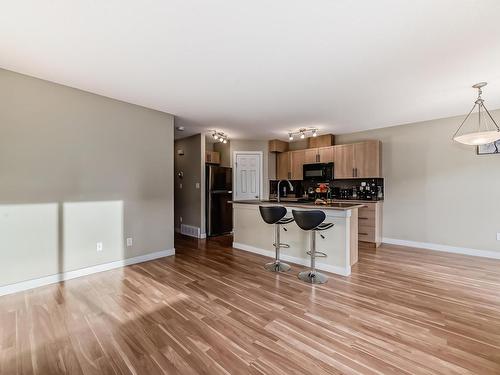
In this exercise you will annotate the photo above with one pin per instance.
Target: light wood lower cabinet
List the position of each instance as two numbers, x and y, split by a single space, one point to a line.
370 223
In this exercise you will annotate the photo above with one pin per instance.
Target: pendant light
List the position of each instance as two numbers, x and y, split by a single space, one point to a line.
486 131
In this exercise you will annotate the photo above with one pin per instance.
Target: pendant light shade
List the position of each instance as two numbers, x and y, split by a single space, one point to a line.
478 128
478 138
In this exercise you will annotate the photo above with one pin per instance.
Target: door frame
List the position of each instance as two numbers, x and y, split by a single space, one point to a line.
261 154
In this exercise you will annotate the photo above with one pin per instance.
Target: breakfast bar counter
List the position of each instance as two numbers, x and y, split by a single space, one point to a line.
340 244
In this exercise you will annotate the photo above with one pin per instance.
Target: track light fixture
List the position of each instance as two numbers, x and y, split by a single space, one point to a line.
302 133
219 136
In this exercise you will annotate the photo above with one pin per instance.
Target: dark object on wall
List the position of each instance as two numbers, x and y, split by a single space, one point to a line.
489 149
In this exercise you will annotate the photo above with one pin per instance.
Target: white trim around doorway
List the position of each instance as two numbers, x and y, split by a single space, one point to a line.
233 164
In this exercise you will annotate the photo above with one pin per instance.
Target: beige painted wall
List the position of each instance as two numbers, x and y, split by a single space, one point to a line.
225 153
188 200
269 159
437 191
77 169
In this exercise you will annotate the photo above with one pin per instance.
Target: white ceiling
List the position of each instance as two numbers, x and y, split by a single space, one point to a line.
255 69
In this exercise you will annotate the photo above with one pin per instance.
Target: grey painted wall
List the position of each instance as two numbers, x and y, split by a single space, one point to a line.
188 199
437 191
77 169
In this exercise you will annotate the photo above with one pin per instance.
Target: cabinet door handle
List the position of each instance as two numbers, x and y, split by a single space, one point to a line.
318 158
353 175
362 218
364 234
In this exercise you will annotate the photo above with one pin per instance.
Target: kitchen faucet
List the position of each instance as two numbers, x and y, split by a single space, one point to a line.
278 188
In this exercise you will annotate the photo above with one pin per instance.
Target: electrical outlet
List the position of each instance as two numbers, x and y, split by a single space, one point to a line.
180 186
130 241
99 246
197 185
498 236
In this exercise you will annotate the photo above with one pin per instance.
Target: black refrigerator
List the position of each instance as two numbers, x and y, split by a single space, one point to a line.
219 212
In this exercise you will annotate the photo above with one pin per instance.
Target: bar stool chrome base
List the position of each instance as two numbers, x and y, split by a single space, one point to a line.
277 266
312 278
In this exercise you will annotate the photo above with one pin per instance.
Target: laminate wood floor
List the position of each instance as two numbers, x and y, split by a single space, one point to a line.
212 309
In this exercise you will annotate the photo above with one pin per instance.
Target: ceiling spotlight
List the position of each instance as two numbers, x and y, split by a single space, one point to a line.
290 136
215 136
180 128
302 135
315 133
224 141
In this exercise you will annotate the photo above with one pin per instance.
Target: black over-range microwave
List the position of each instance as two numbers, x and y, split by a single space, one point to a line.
318 172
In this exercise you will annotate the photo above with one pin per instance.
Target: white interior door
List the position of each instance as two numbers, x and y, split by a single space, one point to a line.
247 171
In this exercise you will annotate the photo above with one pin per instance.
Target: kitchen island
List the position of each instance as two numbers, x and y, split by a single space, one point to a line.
340 244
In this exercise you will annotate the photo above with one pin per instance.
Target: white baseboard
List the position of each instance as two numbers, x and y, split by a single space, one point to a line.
35 283
302 261
444 248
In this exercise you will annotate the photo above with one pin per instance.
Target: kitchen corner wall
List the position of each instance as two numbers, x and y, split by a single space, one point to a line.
269 160
437 191
77 169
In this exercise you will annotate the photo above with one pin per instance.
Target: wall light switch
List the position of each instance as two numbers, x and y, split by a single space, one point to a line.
99 246
498 236
130 241
197 185
180 186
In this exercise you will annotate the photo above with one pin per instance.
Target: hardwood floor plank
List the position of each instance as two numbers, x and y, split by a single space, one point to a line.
212 309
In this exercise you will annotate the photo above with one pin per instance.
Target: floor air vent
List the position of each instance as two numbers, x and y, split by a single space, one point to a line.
190 230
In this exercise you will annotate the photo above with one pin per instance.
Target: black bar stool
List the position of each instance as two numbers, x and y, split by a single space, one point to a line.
312 221
276 215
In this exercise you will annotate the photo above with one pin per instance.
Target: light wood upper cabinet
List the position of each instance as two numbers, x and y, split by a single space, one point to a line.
310 156
344 161
358 160
212 157
283 167
321 141
326 154
297 160
367 159
276 145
